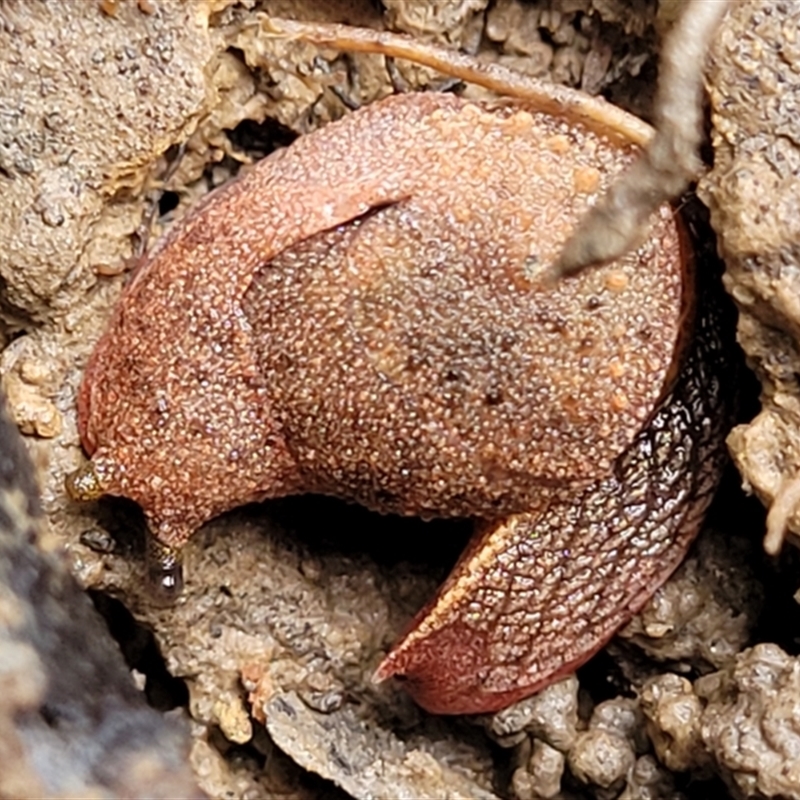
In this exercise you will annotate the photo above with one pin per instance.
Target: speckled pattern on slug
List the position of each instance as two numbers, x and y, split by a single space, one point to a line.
405 358
534 596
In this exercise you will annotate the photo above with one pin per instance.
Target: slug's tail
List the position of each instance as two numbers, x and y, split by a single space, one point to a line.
535 597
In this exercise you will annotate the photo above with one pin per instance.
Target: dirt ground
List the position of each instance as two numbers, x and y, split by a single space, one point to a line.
117 116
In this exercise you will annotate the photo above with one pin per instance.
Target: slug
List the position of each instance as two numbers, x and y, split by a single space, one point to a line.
362 314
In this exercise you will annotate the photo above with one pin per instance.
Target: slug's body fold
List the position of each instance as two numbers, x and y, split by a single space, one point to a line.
360 315
535 596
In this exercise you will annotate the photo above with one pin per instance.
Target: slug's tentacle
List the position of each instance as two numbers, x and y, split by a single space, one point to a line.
537 595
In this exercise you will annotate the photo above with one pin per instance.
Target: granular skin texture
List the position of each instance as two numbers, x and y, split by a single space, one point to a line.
534 597
413 365
372 327
120 574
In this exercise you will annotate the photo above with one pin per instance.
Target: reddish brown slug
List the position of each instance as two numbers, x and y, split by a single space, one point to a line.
360 315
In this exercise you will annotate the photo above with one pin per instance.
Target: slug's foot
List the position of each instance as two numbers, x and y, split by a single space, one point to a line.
164 572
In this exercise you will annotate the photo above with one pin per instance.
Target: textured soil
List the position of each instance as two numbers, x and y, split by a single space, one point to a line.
113 122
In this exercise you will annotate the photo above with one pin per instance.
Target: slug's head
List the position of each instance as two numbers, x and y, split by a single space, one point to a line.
173 417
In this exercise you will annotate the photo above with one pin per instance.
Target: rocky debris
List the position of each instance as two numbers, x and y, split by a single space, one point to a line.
648 779
752 193
673 712
609 752
550 715
751 722
288 608
344 748
32 374
56 738
272 635
601 759
459 23
742 721
540 776
72 78
708 610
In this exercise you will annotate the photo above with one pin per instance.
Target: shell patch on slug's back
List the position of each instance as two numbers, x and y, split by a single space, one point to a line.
359 314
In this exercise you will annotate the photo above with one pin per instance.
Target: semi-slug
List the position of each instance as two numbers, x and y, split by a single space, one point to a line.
361 314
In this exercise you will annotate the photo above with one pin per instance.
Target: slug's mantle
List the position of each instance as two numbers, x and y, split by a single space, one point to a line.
359 315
